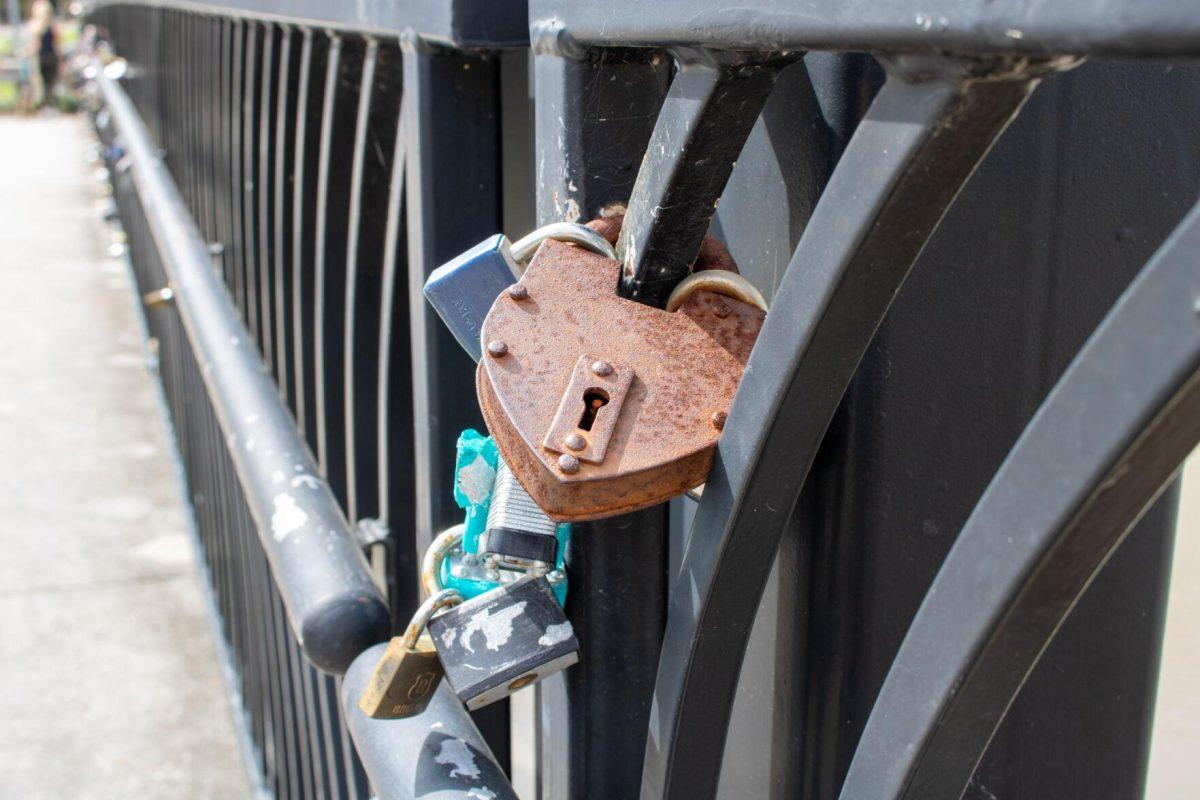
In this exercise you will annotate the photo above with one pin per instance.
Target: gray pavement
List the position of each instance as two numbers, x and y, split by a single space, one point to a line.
110 685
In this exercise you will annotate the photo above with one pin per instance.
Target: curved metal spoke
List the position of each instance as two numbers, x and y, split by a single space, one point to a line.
930 125
1105 442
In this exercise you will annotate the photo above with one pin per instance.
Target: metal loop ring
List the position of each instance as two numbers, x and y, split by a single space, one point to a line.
439 548
524 248
723 282
443 599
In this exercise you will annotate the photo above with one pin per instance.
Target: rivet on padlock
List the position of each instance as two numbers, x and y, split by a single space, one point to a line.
504 640
410 670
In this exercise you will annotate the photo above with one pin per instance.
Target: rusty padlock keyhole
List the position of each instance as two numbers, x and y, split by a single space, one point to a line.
593 401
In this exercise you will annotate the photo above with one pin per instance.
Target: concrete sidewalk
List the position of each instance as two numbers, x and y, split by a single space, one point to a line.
110 682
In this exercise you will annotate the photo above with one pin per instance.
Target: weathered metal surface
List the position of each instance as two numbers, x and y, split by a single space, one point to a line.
686 368
504 640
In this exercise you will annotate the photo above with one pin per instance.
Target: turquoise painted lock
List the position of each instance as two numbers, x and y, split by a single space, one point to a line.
504 537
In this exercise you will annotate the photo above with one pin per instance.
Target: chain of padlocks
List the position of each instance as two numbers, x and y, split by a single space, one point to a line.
596 405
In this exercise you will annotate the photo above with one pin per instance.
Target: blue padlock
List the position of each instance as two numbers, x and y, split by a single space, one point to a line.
462 290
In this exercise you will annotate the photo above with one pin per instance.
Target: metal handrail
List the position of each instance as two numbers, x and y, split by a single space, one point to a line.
1016 27
333 605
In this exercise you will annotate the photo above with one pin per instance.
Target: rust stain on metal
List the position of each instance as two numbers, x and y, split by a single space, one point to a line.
685 367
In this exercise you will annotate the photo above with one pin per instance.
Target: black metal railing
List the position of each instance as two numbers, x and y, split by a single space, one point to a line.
291 707
326 159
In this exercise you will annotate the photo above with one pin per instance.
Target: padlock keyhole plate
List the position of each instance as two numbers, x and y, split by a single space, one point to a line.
584 432
593 401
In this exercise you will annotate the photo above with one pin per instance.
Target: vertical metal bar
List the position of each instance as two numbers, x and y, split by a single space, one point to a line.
314 56
265 185
286 94
300 235
394 421
322 194
357 76
221 163
274 744
350 298
594 116
322 251
451 185
316 730
234 249
285 733
325 230
194 120
248 187
302 711
453 201
377 133
339 142
206 118
335 767
249 670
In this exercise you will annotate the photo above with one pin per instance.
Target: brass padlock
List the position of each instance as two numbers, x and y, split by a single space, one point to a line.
405 678
602 405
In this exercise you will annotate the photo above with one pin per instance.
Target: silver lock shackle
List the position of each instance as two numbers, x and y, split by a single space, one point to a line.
446 598
723 282
435 554
524 248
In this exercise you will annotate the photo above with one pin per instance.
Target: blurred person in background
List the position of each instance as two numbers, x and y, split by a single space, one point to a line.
43 43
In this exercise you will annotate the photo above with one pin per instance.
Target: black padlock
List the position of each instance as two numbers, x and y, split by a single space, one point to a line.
504 640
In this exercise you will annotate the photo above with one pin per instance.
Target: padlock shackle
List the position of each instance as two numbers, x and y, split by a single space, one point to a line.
435 554
523 249
433 604
720 281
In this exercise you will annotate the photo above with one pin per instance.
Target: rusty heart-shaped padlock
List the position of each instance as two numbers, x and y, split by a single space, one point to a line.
601 405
